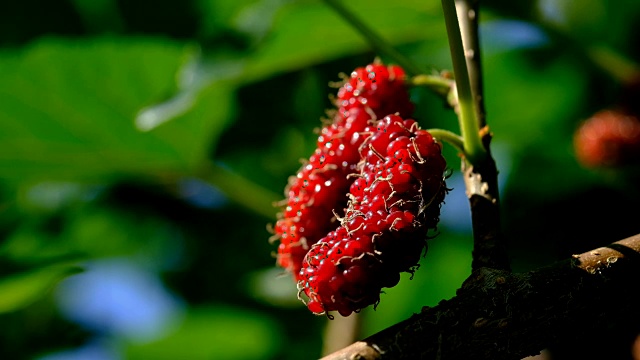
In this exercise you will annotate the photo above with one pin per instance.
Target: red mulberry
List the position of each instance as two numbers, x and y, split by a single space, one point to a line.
319 190
380 87
393 203
608 138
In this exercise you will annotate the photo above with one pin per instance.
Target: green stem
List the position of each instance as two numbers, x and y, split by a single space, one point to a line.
449 137
377 42
614 63
468 13
240 190
474 150
437 83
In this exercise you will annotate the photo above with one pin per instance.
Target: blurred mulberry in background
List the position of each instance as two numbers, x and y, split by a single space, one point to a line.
609 138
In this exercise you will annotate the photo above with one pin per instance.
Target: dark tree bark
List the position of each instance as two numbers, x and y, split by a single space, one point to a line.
500 315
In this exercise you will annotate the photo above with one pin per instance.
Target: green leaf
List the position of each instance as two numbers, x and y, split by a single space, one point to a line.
250 17
68 109
526 100
20 290
310 32
99 15
215 333
533 108
93 232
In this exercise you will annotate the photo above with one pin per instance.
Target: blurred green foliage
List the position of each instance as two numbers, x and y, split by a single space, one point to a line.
160 132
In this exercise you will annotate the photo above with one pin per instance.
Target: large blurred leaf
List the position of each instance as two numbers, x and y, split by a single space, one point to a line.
67 110
526 100
592 21
308 32
219 333
534 102
21 289
249 17
93 232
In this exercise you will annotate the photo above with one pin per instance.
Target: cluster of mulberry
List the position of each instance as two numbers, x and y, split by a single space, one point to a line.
393 202
358 211
318 190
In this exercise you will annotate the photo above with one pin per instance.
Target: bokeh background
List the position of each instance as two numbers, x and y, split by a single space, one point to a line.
142 144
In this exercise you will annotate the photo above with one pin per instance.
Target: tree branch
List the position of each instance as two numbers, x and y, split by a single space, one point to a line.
500 315
489 243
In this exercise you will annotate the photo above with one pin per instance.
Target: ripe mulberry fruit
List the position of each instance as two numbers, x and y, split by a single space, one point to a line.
380 87
319 189
394 201
609 138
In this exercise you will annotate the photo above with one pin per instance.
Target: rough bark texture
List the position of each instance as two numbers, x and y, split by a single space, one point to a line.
489 244
500 315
